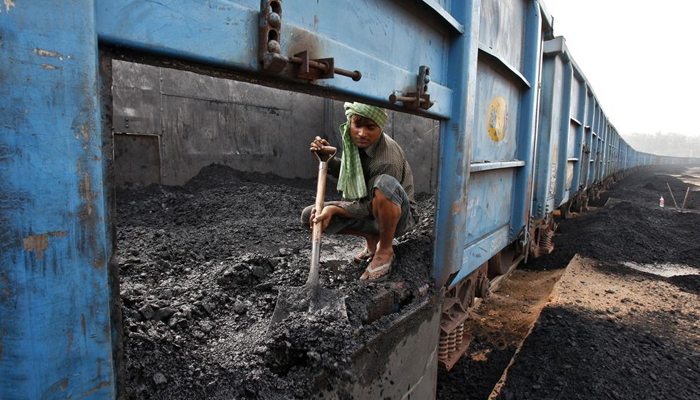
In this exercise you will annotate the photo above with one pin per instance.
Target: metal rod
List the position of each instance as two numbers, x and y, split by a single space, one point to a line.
672 196
355 75
406 99
686 197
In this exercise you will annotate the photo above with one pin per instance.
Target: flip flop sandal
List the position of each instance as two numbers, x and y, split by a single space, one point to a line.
384 270
364 256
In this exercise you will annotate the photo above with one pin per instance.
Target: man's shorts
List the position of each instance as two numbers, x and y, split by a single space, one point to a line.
392 189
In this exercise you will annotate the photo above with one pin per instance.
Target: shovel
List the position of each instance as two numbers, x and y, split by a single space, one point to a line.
312 297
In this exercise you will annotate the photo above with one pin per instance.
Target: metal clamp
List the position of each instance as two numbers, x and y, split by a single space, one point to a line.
270 49
420 98
320 68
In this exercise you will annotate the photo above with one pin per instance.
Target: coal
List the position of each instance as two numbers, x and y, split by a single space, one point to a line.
201 267
634 228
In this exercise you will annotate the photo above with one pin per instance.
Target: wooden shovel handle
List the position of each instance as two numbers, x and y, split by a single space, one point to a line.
312 281
320 196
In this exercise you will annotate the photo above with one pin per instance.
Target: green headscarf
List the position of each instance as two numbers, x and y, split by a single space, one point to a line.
351 180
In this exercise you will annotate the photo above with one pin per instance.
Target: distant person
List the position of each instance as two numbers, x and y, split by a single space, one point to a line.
377 186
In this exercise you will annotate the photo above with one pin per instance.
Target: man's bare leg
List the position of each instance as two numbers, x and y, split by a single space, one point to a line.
387 215
370 239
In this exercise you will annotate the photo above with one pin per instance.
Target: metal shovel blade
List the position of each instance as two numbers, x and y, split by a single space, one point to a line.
301 300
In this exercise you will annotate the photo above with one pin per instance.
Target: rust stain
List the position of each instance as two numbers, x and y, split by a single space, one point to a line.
84 188
61 385
45 53
454 210
36 243
528 194
82 325
98 387
39 243
49 66
458 207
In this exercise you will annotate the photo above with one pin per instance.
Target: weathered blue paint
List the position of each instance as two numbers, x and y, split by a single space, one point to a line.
561 131
588 129
481 250
536 20
595 154
508 63
578 117
553 129
564 134
440 10
455 145
488 216
600 172
377 38
55 332
489 204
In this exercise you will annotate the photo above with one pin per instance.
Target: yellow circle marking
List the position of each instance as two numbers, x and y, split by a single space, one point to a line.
498 119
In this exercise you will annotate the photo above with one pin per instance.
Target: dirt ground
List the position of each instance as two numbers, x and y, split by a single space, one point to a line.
621 323
498 326
201 267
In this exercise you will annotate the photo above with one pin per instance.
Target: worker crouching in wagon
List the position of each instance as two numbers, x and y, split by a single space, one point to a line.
377 186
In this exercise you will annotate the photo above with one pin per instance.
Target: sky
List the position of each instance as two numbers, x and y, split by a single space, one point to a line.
641 57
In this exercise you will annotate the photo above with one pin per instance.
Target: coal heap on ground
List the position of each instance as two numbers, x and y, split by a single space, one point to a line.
618 333
632 227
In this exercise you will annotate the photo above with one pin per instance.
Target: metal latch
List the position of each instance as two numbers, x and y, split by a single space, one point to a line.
321 68
270 50
420 98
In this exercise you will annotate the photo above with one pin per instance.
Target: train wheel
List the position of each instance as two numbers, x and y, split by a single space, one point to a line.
501 262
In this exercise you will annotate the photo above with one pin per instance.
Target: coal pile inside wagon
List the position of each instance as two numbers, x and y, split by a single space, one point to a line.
200 270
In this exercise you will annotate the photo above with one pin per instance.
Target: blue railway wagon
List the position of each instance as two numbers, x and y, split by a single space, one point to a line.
641 159
498 193
58 332
558 142
576 146
635 158
472 64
